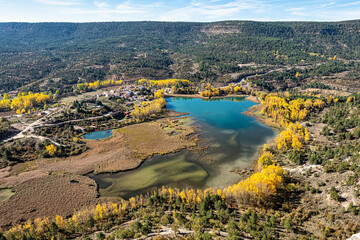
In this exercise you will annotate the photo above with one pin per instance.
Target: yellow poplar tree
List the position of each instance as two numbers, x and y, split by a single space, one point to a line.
51 149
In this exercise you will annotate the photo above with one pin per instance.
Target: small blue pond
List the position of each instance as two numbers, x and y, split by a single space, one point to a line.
98 135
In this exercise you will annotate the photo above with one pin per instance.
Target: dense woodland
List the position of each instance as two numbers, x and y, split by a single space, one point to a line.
59 55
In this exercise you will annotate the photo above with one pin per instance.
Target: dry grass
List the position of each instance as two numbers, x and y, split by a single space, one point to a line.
87 95
47 187
55 194
148 139
126 149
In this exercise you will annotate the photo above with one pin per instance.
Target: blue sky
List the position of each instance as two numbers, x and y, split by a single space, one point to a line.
177 10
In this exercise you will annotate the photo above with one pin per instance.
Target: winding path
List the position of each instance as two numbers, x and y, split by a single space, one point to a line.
28 132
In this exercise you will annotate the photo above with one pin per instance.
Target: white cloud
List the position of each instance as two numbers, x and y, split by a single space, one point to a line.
349 4
204 12
189 10
124 9
100 4
327 4
137 7
59 2
297 11
103 11
129 8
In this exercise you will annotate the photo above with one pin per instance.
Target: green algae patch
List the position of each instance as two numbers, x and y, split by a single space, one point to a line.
165 172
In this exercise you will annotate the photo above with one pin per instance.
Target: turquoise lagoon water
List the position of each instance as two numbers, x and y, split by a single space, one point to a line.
232 138
221 113
98 135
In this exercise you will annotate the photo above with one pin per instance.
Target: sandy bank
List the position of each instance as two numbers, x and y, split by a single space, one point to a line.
254 111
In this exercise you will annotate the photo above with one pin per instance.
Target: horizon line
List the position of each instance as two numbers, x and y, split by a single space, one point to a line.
154 21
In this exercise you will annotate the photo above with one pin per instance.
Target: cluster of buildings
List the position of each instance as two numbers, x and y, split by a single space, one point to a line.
128 92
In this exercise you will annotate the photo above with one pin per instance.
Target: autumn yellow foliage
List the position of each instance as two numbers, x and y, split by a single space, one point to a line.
83 87
148 109
350 99
287 113
284 111
6 102
254 190
159 93
164 83
230 89
259 187
265 160
51 149
25 102
294 136
41 225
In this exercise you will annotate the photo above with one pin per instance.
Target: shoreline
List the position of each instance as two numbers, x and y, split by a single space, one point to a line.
168 123
199 96
254 112
251 112
192 137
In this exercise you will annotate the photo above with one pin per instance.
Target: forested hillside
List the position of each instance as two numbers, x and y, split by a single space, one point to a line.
61 54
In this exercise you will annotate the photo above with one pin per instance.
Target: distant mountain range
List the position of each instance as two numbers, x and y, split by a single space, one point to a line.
77 52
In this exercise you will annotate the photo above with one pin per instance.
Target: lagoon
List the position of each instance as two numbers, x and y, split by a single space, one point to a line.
232 141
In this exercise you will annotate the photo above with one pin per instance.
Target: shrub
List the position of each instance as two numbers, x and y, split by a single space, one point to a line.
296 157
100 236
91 221
205 236
357 133
232 229
165 220
334 194
136 226
146 228
288 224
125 233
